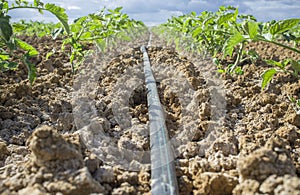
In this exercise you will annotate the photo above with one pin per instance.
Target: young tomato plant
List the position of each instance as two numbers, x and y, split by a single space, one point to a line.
280 66
295 103
250 32
100 28
226 32
10 43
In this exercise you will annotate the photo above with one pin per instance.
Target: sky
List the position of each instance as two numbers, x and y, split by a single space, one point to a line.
153 12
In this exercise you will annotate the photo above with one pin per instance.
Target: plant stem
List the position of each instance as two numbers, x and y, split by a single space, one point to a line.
280 44
29 7
239 56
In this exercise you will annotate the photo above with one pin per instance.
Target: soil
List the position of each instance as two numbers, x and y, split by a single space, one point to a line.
88 133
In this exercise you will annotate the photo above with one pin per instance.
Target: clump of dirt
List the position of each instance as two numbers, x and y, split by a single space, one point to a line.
88 133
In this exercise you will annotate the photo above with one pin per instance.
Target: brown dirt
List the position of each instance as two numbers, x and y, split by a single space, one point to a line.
242 141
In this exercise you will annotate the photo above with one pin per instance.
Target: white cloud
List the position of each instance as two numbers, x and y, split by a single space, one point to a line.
274 9
73 7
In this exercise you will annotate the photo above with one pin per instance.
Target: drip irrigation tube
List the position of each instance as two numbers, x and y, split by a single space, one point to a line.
163 176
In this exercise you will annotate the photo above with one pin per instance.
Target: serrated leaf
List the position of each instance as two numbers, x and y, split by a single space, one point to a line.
60 14
296 66
18 27
275 63
118 9
5 28
225 18
267 77
283 25
31 72
208 21
251 29
231 42
25 46
197 31
86 35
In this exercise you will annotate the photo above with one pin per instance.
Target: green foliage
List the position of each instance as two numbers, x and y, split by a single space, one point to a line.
36 28
9 41
5 28
296 67
283 25
31 68
59 13
227 32
280 66
295 103
267 77
100 28
232 42
31 51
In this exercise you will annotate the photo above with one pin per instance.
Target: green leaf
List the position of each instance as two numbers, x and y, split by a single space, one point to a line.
4 57
251 29
35 3
267 77
12 65
18 27
296 66
225 18
238 70
30 49
283 25
221 71
31 69
197 31
60 14
231 42
48 55
86 35
118 9
275 63
4 8
5 28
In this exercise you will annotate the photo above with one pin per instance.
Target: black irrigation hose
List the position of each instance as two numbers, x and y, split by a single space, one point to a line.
163 175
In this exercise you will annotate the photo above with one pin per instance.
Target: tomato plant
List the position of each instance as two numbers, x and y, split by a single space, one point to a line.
102 28
227 32
10 43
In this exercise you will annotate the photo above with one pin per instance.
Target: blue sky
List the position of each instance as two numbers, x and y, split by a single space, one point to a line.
158 11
